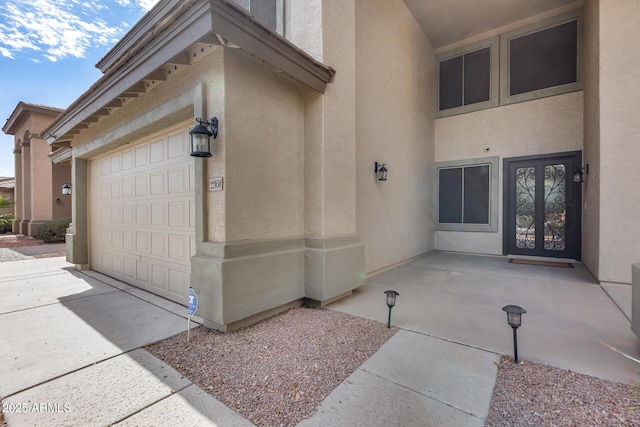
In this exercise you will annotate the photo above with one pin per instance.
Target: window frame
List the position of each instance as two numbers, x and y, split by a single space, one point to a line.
494 44
505 73
280 14
494 175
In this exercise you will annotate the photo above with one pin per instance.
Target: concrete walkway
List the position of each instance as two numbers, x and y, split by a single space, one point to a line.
71 347
71 353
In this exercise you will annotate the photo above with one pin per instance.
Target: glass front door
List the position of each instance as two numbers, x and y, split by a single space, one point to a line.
542 209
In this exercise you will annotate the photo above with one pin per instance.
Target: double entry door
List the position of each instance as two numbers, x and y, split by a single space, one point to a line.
542 209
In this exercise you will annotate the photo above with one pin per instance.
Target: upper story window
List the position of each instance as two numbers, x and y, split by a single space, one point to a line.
542 59
467 79
269 12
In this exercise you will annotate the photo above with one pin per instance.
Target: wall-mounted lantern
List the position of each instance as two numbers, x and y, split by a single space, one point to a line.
578 175
201 137
58 201
391 301
514 319
381 171
66 189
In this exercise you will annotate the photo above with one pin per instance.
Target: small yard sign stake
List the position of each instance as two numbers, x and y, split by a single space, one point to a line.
193 307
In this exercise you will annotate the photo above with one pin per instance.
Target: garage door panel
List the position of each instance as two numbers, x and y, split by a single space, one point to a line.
116 239
156 151
179 214
176 146
142 273
127 160
178 247
178 180
116 214
129 269
159 244
178 282
159 277
129 240
141 186
142 215
141 155
158 214
127 187
116 163
157 183
128 215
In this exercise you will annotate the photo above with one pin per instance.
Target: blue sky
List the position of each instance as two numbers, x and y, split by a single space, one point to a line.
49 48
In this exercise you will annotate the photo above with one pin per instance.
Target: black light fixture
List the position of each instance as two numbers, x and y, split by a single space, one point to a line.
201 137
391 301
381 171
66 189
514 319
58 201
578 175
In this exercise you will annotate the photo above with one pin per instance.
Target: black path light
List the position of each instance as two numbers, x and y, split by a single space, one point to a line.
391 301
201 137
514 318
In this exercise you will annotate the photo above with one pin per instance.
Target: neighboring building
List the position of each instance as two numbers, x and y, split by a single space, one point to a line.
480 115
38 181
6 190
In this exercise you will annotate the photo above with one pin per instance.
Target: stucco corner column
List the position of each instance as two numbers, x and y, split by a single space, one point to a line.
334 253
334 267
77 241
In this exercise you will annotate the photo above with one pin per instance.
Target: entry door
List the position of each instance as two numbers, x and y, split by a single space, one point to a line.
542 206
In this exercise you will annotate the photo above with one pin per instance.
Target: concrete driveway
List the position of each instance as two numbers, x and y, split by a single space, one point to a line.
71 352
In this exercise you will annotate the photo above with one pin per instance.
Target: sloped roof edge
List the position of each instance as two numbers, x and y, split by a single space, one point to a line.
19 114
224 18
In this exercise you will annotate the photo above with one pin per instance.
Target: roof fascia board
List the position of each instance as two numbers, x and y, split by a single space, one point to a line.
202 18
143 26
235 24
153 57
17 116
60 155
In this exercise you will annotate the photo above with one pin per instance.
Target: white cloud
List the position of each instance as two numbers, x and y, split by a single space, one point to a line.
147 4
56 29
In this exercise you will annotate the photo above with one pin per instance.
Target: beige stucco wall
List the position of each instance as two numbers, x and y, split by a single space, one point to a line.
264 152
619 95
325 29
591 154
547 125
394 125
35 190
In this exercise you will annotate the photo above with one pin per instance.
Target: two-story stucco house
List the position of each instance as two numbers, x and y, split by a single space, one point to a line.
505 129
38 181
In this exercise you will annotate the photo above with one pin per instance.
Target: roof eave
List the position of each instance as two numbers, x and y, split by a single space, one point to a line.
222 19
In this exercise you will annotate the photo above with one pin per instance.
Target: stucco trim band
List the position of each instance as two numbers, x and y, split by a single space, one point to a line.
236 281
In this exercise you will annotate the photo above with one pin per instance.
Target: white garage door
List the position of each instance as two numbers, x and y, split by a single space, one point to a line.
142 213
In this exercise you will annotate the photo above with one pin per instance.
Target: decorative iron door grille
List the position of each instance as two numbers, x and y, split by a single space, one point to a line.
542 212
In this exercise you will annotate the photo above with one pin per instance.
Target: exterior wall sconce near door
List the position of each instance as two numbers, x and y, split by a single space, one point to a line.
58 201
381 171
578 174
66 189
201 137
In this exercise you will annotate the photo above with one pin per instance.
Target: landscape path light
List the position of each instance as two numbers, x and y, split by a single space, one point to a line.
391 301
514 318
